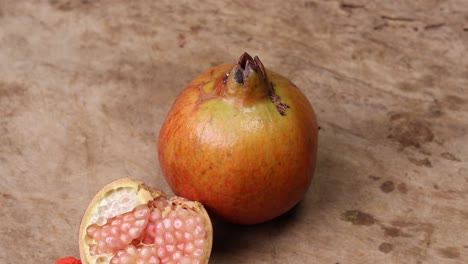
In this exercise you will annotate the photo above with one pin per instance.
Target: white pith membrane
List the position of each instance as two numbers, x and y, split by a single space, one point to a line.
128 225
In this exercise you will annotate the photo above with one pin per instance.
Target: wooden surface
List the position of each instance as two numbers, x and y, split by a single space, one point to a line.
85 86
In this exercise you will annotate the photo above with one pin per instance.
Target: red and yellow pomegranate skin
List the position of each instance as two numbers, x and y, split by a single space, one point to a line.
242 140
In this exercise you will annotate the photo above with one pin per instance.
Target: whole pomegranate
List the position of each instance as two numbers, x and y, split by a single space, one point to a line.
242 140
129 222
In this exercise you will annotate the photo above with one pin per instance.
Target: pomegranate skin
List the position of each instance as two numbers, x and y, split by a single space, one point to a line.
242 140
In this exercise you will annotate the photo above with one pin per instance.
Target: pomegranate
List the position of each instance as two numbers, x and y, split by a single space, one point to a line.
129 222
68 260
242 140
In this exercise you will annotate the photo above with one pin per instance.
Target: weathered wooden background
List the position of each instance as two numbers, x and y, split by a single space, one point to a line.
85 86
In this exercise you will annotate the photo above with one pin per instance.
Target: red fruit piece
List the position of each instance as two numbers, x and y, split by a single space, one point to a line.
68 260
242 140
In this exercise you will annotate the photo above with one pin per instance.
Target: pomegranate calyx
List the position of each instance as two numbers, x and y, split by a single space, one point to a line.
246 64
247 82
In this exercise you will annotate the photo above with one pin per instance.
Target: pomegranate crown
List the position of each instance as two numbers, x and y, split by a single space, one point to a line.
245 65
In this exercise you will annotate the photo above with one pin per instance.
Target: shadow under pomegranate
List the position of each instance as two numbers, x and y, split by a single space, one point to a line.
230 239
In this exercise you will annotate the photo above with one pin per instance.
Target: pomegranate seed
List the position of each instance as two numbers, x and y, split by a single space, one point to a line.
167 223
145 236
169 237
178 223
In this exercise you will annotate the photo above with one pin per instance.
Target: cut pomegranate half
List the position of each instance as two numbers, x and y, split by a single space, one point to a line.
129 222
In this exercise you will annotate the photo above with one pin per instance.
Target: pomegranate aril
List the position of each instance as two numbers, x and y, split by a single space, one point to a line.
185 260
155 215
151 229
127 259
91 230
105 231
199 219
134 232
199 231
129 218
126 239
188 236
110 241
102 245
125 226
169 237
93 250
199 242
131 250
159 241
161 252
142 213
136 254
145 252
189 248
167 223
179 236
153 260
198 252
177 255
140 223
116 222
160 229
115 230
169 248
189 224
180 246
178 223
